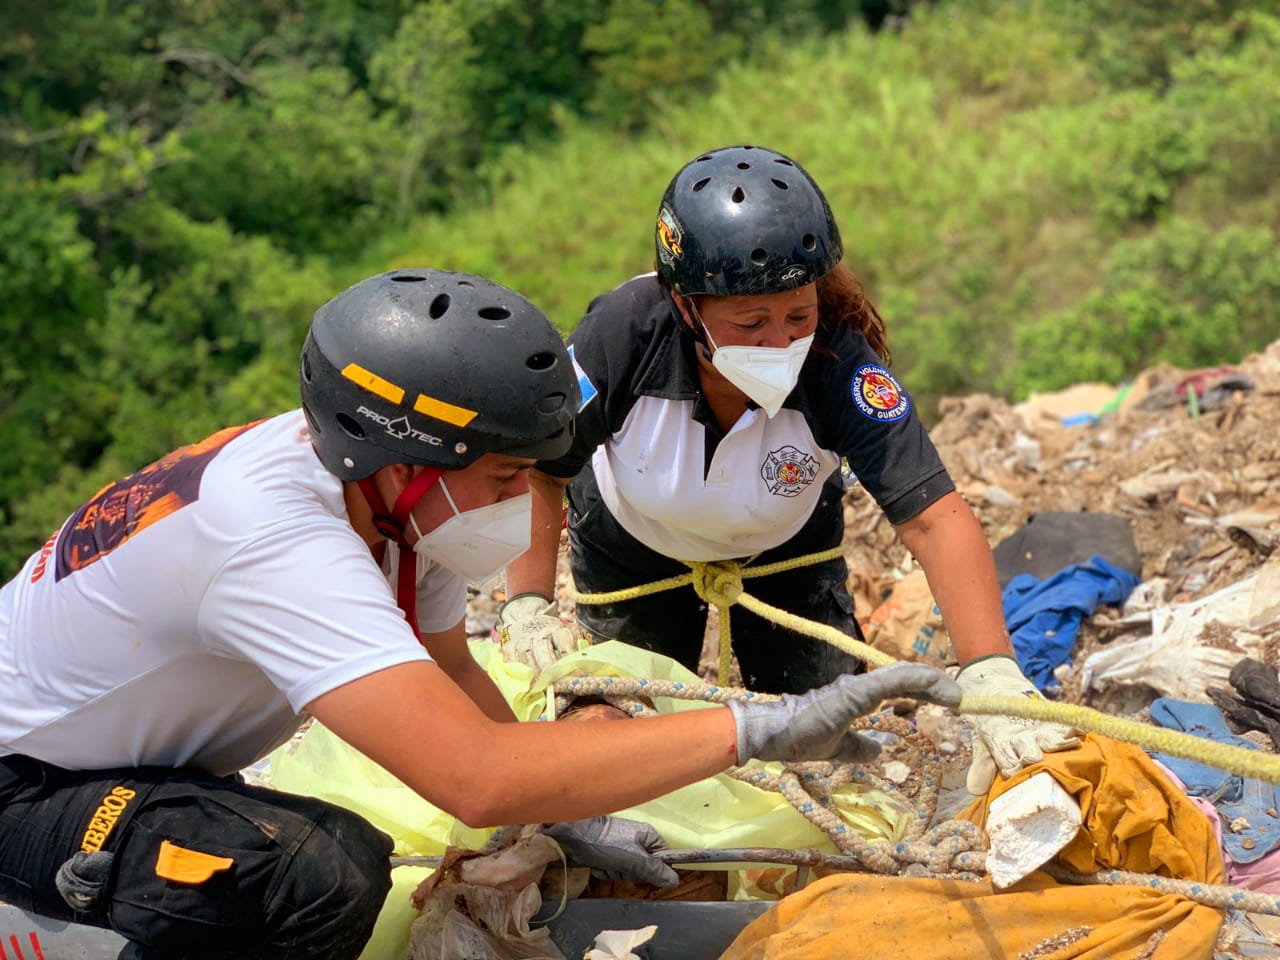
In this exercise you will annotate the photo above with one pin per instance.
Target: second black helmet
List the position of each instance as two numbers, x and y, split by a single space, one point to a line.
742 221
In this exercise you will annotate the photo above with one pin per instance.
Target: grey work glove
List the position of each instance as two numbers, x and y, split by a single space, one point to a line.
619 849
815 725
1009 743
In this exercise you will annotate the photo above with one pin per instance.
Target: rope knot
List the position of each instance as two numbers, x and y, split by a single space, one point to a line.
719 582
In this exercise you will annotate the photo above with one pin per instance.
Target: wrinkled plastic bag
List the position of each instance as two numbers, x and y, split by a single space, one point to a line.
1192 645
481 923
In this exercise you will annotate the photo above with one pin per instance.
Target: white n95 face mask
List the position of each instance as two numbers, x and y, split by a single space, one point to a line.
478 543
765 374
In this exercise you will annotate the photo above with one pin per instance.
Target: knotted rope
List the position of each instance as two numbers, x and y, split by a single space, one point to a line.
951 847
955 847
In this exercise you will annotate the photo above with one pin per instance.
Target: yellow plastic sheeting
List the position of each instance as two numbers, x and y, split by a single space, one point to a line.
390 938
1134 819
715 813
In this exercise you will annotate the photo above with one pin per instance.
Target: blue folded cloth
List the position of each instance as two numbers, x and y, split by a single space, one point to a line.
1044 616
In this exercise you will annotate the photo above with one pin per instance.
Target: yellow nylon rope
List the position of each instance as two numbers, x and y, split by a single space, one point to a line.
720 583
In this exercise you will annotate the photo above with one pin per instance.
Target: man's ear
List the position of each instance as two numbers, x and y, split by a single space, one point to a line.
391 481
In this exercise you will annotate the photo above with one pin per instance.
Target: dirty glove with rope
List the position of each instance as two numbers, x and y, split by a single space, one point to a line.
815 725
531 633
619 849
1009 743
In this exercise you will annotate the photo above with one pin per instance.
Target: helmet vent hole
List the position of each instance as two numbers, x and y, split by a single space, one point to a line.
306 368
705 156
701 183
465 283
743 165
439 306
407 278
809 241
785 163
541 361
551 403
312 422
495 313
350 427
738 195
759 255
781 184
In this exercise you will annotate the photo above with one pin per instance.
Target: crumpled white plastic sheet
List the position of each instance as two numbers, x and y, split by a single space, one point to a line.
1192 645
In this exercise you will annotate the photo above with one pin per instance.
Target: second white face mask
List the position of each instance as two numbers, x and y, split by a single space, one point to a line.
478 543
765 374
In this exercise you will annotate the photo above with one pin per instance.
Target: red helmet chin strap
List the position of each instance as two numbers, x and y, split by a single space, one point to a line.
392 527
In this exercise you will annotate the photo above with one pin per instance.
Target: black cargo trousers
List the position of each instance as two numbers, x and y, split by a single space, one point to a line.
199 866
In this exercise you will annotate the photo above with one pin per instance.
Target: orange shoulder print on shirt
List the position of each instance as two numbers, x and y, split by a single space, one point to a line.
121 509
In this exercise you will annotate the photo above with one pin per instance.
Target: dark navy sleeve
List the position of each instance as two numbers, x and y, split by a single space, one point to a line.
868 417
607 348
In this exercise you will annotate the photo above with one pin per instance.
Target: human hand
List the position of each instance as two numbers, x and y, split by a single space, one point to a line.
619 849
1009 743
530 633
815 725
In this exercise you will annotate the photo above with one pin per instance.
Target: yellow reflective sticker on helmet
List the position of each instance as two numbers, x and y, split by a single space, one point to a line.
188 866
372 382
458 416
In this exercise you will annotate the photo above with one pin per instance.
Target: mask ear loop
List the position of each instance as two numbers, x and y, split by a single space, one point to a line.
392 527
701 335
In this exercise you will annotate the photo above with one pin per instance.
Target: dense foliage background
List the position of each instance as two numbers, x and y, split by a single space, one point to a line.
1035 193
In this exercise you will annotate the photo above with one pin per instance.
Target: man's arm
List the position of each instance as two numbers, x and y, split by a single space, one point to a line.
414 721
450 650
952 547
418 724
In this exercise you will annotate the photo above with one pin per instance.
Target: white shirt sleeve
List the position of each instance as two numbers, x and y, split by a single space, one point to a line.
309 606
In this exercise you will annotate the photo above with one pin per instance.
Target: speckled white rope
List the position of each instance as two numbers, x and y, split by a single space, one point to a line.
1210 894
951 848
954 847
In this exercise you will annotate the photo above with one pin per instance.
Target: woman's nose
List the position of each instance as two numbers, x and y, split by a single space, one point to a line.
776 334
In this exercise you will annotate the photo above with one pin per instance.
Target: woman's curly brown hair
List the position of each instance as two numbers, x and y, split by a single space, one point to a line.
843 301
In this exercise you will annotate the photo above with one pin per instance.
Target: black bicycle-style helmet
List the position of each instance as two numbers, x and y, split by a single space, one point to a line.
741 221
423 366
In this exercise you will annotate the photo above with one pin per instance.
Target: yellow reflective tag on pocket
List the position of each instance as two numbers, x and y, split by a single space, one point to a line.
188 866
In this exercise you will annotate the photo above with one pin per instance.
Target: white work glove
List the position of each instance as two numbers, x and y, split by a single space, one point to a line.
619 849
815 725
1009 743
531 633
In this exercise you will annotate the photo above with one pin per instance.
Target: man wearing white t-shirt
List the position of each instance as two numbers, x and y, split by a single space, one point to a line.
183 622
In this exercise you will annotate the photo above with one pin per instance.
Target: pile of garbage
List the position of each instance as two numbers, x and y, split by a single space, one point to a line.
1173 479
